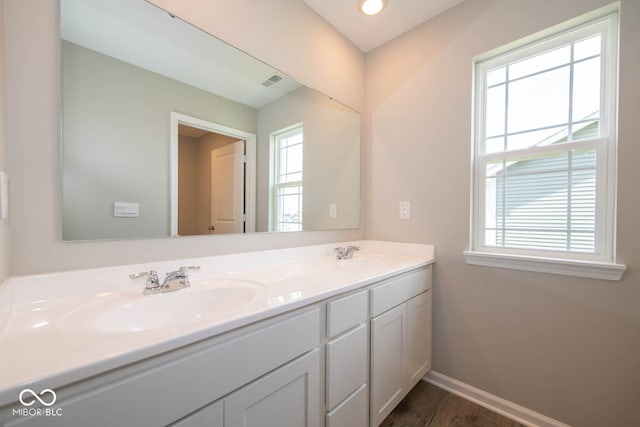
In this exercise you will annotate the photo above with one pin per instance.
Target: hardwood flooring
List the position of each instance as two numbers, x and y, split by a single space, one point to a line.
430 406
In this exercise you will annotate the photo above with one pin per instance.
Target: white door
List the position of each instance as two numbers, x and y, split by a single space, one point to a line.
227 189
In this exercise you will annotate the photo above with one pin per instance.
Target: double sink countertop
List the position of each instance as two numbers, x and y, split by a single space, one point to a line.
59 328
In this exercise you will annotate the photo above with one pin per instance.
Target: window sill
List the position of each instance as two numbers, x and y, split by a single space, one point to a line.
567 267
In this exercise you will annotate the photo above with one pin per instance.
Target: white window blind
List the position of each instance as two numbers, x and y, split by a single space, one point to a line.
544 144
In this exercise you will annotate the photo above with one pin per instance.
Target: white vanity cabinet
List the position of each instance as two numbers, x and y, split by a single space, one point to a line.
400 339
270 361
344 361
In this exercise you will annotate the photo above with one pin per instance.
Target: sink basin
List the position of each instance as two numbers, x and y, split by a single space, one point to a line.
129 312
367 262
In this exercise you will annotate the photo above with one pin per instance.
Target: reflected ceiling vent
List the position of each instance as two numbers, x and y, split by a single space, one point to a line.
271 80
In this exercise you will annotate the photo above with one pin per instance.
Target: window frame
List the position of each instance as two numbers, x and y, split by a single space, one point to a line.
561 262
275 184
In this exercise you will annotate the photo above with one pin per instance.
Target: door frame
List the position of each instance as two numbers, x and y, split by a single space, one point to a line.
250 165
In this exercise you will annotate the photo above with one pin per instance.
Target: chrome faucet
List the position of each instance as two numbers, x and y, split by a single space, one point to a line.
345 253
173 281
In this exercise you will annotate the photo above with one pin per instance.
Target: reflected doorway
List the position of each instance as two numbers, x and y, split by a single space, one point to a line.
213 178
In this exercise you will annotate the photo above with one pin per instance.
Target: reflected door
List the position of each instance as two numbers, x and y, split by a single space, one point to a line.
227 188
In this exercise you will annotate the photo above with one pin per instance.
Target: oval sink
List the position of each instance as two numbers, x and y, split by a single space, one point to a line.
133 313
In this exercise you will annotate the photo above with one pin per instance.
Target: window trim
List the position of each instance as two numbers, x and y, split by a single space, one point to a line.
601 264
273 178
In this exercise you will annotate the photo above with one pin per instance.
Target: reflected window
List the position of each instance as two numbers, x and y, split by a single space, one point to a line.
286 160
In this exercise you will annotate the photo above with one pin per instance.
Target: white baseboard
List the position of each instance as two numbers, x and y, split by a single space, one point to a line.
496 404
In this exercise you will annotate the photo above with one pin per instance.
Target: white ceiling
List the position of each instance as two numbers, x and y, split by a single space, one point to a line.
369 32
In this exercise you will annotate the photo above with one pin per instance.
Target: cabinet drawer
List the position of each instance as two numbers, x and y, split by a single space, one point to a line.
398 290
346 313
353 412
346 365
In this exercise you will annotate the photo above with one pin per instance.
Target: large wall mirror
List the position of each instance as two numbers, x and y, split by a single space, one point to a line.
168 131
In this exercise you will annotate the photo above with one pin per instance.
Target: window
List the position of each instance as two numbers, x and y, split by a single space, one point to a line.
545 150
286 160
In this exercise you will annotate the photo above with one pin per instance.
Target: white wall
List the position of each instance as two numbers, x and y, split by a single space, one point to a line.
33 110
4 224
566 347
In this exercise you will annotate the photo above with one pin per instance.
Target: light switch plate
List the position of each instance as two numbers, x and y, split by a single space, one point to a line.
126 210
4 196
333 210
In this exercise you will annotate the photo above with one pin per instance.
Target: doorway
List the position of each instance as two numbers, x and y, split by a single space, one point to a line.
212 178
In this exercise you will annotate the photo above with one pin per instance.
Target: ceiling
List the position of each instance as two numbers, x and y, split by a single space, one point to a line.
145 36
369 32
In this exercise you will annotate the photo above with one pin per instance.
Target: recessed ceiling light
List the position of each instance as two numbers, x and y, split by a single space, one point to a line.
371 7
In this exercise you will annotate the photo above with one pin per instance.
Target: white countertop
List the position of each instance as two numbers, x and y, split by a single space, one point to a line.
48 332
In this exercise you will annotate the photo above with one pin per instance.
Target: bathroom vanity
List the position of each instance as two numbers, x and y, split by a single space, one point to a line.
294 337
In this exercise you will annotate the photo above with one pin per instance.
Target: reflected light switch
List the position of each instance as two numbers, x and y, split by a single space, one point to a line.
126 210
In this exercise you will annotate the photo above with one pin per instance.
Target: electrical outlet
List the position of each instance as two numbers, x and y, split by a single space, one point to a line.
405 210
333 210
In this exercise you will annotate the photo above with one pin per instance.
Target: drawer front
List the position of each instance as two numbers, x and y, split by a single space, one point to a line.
346 365
398 290
346 313
353 412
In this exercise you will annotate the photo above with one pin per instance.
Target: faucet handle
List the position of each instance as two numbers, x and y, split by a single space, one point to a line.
185 276
153 282
150 274
353 248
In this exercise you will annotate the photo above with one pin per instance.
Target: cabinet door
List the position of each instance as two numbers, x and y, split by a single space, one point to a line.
418 337
388 348
287 397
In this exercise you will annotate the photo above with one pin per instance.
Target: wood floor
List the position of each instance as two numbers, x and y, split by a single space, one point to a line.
429 406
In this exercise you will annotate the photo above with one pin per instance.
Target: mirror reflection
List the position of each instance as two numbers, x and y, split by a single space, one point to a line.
168 131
